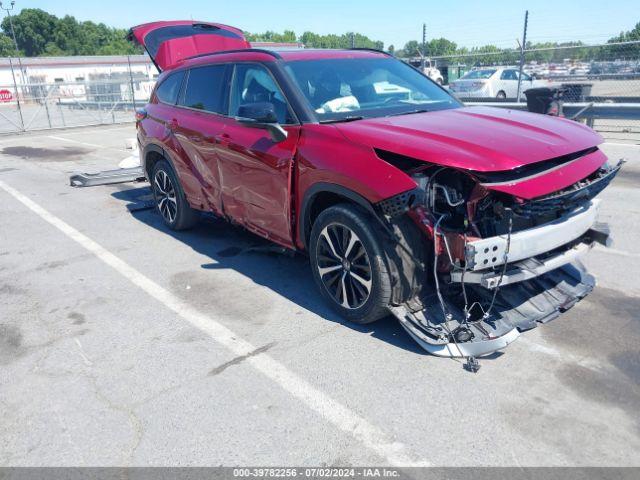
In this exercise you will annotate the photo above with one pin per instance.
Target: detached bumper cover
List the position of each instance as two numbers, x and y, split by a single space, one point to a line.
518 307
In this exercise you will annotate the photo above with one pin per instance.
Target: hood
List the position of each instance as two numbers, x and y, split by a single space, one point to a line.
170 42
482 139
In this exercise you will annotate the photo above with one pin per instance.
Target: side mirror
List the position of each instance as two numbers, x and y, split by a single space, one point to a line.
262 115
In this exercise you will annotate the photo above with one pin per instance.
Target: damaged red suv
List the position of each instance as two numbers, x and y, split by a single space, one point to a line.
466 223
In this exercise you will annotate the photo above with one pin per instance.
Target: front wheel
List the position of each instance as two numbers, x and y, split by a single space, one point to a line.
348 263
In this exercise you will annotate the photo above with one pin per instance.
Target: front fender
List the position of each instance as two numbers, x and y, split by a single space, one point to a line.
327 160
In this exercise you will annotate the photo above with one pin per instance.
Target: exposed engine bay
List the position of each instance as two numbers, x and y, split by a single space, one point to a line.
495 264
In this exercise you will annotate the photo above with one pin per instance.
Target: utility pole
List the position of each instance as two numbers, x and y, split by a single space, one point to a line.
522 51
424 44
15 42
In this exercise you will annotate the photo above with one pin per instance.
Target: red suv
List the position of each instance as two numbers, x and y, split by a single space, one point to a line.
464 222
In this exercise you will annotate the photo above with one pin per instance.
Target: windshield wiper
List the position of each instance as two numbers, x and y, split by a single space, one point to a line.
350 118
420 110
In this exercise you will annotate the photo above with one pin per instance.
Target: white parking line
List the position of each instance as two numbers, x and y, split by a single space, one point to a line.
563 356
331 410
95 145
80 131
620 144
614 251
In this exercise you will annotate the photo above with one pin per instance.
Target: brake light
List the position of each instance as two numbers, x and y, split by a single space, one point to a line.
478 84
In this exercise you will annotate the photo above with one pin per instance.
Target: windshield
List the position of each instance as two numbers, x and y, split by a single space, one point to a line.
347 88
478 74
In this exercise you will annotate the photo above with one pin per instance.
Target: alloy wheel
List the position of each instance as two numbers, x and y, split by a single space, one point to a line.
344 266
165 196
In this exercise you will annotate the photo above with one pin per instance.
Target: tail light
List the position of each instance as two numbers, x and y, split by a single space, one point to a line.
141 114
478 84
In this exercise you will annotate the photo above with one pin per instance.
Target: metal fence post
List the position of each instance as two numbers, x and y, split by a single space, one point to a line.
522 50
64 124
46 107
15 85
133 92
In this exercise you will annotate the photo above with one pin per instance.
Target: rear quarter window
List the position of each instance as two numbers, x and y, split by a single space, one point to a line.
168 90
206 89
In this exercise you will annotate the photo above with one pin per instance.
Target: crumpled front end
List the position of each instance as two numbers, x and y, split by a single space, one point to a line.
504 248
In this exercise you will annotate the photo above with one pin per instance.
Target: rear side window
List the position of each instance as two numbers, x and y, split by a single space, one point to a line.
168 90
206 89
473 74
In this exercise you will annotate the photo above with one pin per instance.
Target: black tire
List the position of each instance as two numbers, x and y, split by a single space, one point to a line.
169 198
332 223
501 94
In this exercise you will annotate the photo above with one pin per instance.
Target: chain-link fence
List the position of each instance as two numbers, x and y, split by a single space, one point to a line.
595 74
102 99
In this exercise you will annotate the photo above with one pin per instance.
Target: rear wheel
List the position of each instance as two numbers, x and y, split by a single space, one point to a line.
170 199
501 95
348 263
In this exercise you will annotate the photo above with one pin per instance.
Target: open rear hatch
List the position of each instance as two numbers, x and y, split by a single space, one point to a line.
170 42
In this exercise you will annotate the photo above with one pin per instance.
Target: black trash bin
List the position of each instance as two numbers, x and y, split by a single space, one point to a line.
539 99
576 92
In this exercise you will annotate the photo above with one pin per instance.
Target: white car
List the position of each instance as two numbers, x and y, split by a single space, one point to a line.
494 82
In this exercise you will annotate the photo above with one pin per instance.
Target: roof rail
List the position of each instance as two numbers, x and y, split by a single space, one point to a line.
256 50
370 50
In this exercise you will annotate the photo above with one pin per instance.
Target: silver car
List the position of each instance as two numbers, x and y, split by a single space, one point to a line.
494 82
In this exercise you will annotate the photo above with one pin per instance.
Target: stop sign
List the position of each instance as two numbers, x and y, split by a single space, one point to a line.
5 95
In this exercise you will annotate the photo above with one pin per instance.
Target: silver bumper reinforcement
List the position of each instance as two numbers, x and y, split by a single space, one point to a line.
490 252
522 270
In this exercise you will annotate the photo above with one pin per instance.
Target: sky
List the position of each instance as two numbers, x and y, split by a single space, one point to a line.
466 22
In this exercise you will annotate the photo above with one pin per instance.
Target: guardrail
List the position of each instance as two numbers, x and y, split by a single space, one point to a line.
584 110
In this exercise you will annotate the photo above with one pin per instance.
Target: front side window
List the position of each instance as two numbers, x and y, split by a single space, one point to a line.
168 90
337 88
254 84
206 89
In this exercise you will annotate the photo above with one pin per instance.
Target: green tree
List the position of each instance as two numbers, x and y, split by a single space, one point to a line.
39 33
7 47
411 49
34 28
441 46
623 51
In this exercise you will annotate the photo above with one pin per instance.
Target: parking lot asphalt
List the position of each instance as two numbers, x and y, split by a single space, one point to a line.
122 343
